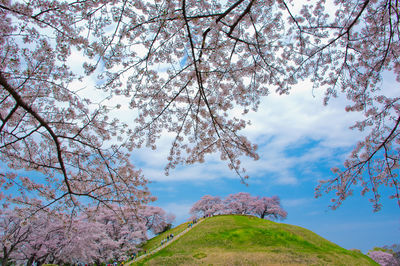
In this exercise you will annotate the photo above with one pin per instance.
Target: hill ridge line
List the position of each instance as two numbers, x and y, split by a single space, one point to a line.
166 244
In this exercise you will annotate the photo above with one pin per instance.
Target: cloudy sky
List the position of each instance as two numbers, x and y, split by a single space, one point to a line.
299 141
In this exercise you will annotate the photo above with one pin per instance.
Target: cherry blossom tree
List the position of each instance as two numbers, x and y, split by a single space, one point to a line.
239 203
58 239
13 234
361 46
38 238
184 65
207 205
395 249
47 238
94 236
121 234
79 241
383 258
46 126
156 219
268 207
103 235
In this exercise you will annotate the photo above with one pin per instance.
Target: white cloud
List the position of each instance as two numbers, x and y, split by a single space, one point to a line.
299 122
282 123
291 118
287 180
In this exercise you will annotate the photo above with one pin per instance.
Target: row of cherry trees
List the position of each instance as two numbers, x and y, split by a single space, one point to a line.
239 203
95 236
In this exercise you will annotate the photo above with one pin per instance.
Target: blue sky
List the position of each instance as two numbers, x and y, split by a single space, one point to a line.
299 141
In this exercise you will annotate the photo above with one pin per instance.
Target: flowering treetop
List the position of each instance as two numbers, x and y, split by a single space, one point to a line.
239 203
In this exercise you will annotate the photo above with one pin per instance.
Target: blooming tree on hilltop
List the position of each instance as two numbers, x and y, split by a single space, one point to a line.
207 205
239 203
183 65
268 207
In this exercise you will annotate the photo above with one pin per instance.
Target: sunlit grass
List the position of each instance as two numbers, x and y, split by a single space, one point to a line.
244 240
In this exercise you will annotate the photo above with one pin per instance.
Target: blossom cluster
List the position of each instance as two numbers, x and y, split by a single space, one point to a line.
239 203
95 236
383 258
186 68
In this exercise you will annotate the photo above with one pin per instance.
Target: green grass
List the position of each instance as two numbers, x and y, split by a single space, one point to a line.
246 240
156 241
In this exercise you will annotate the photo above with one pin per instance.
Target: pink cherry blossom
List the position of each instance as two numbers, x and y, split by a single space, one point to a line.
207 205
383 258
239 203
184 66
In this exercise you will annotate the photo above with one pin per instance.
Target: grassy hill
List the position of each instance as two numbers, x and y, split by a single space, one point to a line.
246 240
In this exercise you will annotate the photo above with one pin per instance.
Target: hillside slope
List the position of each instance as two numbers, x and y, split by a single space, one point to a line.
246 240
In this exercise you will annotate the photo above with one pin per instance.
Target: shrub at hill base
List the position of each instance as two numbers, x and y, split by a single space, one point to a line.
383 258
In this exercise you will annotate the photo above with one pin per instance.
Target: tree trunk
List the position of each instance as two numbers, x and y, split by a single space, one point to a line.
31 260
4 259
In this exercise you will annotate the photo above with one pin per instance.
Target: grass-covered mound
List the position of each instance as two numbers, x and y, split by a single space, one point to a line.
245 240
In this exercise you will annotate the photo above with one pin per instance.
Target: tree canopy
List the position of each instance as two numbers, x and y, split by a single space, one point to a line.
94 237
239 203
183 66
